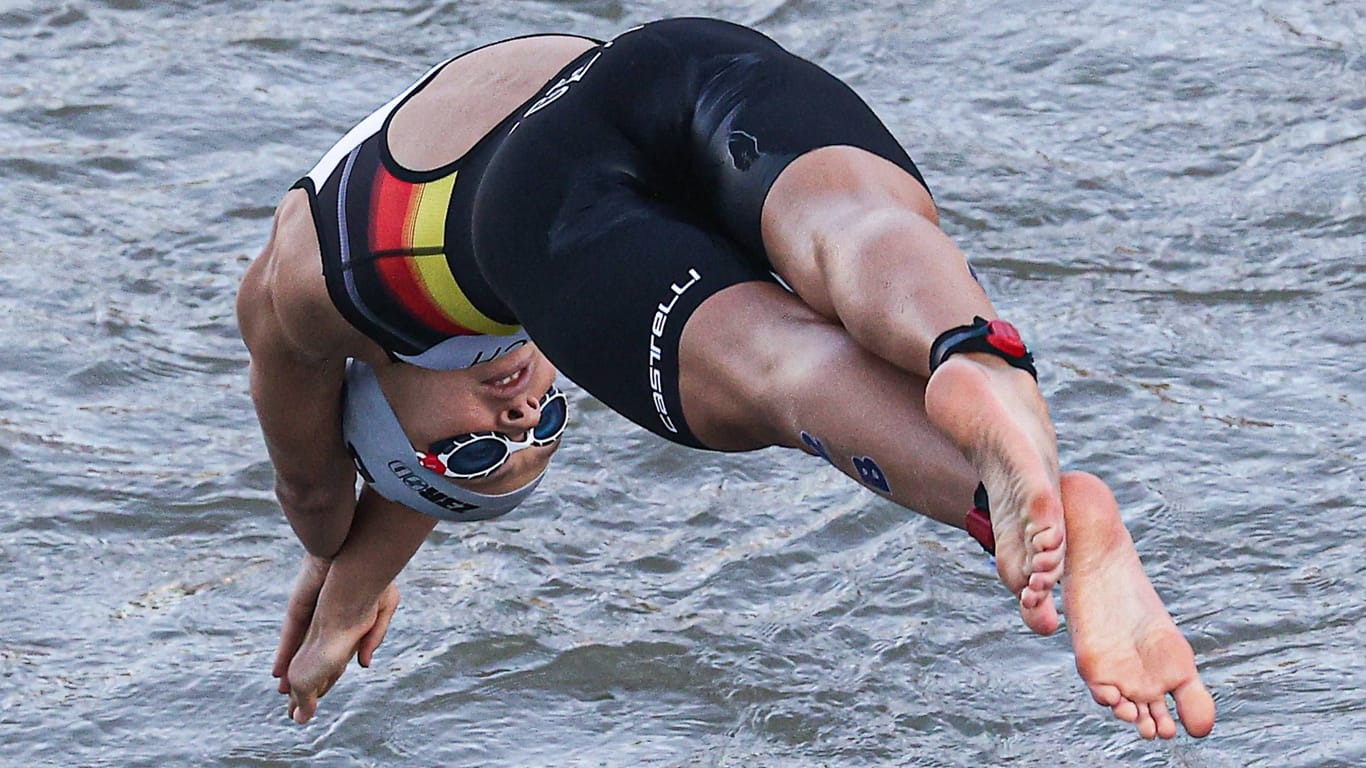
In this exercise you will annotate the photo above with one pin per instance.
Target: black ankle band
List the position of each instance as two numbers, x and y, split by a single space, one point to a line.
995 337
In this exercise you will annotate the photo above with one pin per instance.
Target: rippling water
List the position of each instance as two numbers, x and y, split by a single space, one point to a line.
1169 202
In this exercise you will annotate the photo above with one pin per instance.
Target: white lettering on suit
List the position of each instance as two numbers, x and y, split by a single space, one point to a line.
657 325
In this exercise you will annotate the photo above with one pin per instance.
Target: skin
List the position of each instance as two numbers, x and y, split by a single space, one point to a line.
875 281
858 240
1128 649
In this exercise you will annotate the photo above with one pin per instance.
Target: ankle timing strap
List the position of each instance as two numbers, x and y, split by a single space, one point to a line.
995 337
979 520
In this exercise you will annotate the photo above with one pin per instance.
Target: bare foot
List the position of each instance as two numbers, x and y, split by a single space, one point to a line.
1129 651
996 416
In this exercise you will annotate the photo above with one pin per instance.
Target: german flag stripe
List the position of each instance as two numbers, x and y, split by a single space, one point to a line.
428 233
394 206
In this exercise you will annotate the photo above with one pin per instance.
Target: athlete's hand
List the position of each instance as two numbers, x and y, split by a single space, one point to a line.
329 643
342 608
298 615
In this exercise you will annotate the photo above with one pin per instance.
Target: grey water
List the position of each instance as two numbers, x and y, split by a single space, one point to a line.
1167 198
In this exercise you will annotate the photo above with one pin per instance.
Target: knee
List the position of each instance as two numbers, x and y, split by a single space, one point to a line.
879 269
869 232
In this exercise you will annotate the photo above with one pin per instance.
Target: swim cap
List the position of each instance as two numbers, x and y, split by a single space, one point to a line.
386 459
466 351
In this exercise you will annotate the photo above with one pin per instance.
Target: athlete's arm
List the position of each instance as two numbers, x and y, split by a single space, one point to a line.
296 383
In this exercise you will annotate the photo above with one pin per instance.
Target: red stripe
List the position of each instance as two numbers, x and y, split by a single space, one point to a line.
393 204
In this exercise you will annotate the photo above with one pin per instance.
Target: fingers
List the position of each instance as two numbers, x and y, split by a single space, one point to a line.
312 675
302 707
291 637
365 651
318 660
303 600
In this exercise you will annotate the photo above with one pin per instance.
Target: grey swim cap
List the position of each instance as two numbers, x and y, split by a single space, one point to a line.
459 352
388 462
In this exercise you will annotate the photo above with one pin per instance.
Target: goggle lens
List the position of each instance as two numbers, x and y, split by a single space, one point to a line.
554 417
480 455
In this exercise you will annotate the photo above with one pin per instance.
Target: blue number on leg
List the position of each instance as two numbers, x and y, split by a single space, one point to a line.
815 444
871 474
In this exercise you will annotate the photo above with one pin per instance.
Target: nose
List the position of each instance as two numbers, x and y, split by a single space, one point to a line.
520 417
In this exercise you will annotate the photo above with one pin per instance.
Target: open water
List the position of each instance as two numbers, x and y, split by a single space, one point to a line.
1166 197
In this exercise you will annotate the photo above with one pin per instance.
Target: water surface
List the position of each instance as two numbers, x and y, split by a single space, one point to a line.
1168 201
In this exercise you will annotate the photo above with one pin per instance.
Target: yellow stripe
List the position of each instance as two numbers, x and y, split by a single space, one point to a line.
428 229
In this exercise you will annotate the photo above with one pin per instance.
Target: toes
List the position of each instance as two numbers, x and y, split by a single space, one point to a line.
1043 583
1046 564
1126 710
1039 611
1195 707
1105 695
1048 539
1166 727
1146 727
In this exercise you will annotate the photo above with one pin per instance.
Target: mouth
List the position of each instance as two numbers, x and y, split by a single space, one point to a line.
508 379
509 376
511 380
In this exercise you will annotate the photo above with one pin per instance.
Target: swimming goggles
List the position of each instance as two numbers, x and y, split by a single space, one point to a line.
480 454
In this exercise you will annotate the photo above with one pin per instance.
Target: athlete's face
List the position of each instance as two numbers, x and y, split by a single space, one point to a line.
503 395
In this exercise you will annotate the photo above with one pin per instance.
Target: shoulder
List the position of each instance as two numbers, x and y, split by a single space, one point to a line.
283 305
